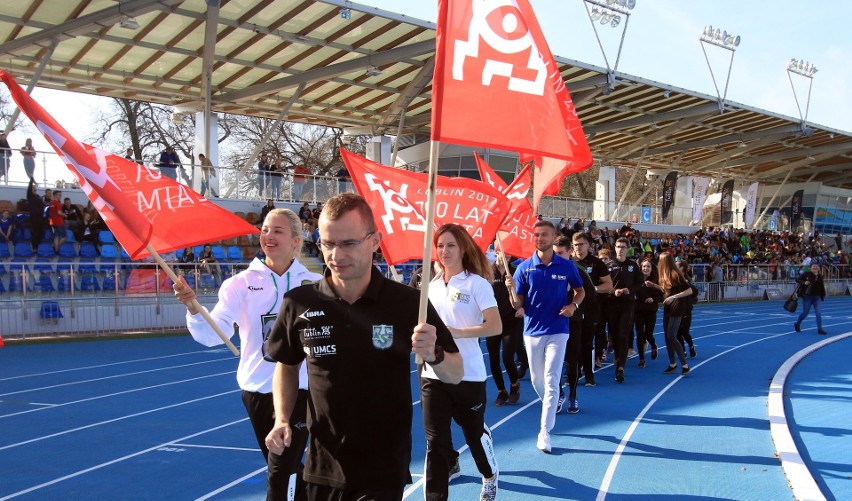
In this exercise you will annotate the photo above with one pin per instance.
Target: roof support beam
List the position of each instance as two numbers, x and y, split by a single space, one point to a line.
746 136
794 165
86 24
211 26
833 148
706 109
412 90
33 81
378 59
666 131
731 152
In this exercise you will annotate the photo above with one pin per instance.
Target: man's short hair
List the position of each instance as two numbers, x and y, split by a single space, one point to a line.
562 241
623 240
581 236
339 205
544 222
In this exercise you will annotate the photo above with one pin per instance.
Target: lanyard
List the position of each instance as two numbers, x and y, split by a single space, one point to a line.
275 283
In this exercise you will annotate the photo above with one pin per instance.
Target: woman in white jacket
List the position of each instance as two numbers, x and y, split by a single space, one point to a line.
251 299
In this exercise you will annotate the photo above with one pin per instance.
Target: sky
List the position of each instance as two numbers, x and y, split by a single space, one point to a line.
661 44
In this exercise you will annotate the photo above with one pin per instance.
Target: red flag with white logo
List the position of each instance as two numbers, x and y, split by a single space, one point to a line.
495 53
516 232
139 205
398 200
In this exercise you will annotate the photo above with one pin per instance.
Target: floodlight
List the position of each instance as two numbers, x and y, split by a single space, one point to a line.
615 21
129 23
596 14
605 18
372 71
346 13
631 4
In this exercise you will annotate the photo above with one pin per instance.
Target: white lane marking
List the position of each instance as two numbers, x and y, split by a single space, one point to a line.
229 485
798 475
613 464
121 418
114 376
98 397
223 350
221 447
114 461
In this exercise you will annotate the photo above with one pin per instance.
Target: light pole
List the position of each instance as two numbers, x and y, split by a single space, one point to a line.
611 13
804 69
724 40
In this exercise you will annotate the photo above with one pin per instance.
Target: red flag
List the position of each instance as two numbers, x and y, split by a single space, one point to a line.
140 206
398 199
516 232
494 52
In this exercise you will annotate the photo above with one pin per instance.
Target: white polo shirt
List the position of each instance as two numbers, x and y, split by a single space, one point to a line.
460 304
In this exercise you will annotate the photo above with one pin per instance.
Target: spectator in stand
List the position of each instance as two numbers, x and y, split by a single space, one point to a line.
300 177
276 177
344 181
263 168
29 154
36 205
270 204
73 216
208 261
315 214
579 226
57 221
187 260
5 155
89 231
207 171
305 214
168 163
310 244
7 226
128 155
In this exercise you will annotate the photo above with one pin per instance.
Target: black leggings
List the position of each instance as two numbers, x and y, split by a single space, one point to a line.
509 341
620 327
261 412
572 355
683 334
644 321
587 348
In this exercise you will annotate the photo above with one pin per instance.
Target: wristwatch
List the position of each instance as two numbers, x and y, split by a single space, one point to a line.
439 356
576 306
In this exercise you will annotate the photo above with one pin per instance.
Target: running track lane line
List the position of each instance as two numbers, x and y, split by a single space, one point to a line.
616 457
228 486
117 460
801 480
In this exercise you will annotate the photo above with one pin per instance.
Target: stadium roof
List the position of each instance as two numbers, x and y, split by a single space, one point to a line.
366 71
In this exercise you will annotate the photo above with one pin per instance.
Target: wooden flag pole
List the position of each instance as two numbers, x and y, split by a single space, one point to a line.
168 269
427 245
505 266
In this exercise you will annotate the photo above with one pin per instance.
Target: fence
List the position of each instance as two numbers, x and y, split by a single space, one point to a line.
763 281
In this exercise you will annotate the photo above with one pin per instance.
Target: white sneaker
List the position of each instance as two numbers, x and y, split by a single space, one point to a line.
543 443
489 489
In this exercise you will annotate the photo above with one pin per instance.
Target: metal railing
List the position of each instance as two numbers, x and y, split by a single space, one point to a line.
763 281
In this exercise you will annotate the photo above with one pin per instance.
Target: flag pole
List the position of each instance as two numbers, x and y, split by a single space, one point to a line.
505 266
168 269
427 245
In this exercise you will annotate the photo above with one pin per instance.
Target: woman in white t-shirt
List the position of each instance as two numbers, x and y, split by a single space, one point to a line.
462 295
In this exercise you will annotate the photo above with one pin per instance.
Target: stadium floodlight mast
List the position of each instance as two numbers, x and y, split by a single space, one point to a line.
807 70
719 38
609 13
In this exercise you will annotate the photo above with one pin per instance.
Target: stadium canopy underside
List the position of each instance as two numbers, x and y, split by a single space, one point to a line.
368 71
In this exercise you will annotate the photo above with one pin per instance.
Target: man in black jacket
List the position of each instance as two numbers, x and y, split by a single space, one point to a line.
812 291
36 205
626 278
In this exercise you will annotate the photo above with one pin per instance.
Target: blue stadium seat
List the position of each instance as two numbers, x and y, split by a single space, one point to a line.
19 265
86 266
67 249
43 265
63 283
50 311
197 250
45 284
16 283
107 265
45 250
219 253
4 250
2 288
106 237
87 249
69 236
109 251
235 254
3 269
89 283
48 235
23 249
190 280
63 264
109 282
124 255
209 282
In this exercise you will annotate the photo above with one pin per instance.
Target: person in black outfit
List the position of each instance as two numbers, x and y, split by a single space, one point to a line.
36 205
812 291
626 279
354 326
512 329
648 298
676 289
599 274
684 337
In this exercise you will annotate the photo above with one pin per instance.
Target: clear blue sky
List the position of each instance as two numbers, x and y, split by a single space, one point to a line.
661 45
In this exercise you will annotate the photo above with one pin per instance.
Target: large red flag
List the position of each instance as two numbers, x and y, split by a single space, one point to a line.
140 206
398 199
497 85
516 232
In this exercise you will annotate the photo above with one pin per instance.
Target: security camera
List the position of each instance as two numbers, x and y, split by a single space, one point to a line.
256 29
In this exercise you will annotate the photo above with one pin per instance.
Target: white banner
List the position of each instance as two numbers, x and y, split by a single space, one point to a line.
699 193
751 205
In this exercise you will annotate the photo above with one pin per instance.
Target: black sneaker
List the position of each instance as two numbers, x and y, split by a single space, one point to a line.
590 381
692 352
654 353
455 470
684 370
522 371
514 393
502 398
641 364
822 332
619 376
670 369
797 327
